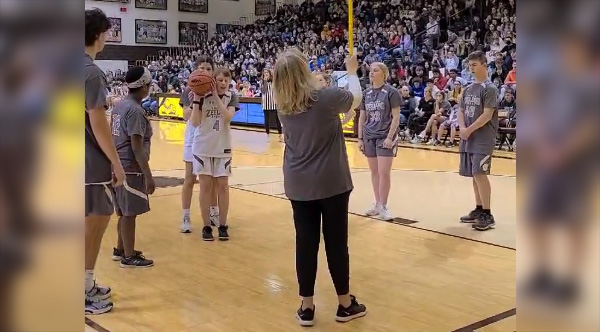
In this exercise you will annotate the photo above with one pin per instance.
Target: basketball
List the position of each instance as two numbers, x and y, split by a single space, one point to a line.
200 83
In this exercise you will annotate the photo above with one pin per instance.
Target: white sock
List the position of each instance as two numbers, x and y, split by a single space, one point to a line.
89 280
214 210
186 213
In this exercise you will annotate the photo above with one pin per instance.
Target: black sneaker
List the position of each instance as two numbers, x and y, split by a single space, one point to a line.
355 310
207 233
449 144
306 317
136 261
486 221
565 293
223 235
472 217
119 254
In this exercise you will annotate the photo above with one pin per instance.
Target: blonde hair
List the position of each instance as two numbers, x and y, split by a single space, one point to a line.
293 84
384 69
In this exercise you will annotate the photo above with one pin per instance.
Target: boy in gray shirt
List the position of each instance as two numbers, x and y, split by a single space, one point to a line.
478 122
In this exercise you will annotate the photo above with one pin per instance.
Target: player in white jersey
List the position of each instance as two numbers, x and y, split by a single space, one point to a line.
211 148
205 65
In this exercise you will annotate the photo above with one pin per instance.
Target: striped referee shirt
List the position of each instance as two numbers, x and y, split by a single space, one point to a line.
268 97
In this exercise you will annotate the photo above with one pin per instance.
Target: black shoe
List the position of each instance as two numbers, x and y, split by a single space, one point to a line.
136 261
207 233
472 217
223 235
119 254
355 310
565 293
486 221
306 317
539 285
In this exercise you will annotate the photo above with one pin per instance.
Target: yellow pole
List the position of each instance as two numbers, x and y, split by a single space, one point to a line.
351 27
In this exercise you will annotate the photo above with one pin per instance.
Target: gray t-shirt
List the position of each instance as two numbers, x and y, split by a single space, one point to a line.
315 162
128 119
445 108
474 100
378 105
97 164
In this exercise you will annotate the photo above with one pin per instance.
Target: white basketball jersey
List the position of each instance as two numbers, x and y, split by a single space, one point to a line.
213 137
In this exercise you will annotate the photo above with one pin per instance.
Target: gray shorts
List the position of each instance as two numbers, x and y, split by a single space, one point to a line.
374 148
131 199
98 200
474 163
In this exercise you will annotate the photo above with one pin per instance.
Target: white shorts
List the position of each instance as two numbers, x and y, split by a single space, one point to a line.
212 166
188 157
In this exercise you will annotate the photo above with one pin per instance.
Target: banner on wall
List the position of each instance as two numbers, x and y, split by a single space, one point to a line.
170 107
264 7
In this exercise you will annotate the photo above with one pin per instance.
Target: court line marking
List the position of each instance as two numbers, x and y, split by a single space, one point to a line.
352 170
95 325
488 321
395 222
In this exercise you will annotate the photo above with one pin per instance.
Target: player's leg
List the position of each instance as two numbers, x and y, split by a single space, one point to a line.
187 191
442 129
131 201
370 151
206 190
98 209
214 205
385 158
466 169
481 168
222 188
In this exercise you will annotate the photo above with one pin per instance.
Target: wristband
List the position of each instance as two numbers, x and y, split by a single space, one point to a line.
195 102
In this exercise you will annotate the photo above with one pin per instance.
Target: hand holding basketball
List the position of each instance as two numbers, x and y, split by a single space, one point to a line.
200 83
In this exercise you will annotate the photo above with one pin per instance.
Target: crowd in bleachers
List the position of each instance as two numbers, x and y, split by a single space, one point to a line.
424 43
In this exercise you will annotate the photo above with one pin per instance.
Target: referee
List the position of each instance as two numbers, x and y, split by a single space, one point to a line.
268 103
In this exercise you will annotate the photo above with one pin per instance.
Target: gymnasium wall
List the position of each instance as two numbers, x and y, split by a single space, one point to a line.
219 11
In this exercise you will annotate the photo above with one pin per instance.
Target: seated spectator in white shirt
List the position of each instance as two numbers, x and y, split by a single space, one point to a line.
451 61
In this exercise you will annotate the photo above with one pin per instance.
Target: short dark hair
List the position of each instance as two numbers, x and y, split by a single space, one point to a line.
454 71
223 71
134 74
477 56
96 23
203 59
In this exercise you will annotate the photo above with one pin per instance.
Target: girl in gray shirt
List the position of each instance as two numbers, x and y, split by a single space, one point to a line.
316 175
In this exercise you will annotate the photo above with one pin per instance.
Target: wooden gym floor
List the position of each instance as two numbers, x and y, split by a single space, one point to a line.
423 272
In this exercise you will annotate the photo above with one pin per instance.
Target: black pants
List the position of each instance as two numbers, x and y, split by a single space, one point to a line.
268 115
415 122
307 219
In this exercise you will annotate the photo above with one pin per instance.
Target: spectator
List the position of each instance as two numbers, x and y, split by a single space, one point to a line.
456 93
408 104
511 78
417 119
507 111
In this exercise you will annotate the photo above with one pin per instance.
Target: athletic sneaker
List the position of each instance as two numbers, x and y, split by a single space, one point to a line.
214 219
119 254
416 140
306 317
486 221
136 261
98 293
186 225
355 310
223 235
385 214
472 217
97 308
207 233
373 211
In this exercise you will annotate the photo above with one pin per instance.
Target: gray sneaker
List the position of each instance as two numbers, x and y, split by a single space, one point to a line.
472 217
98 293
486 221
97 308
186 225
